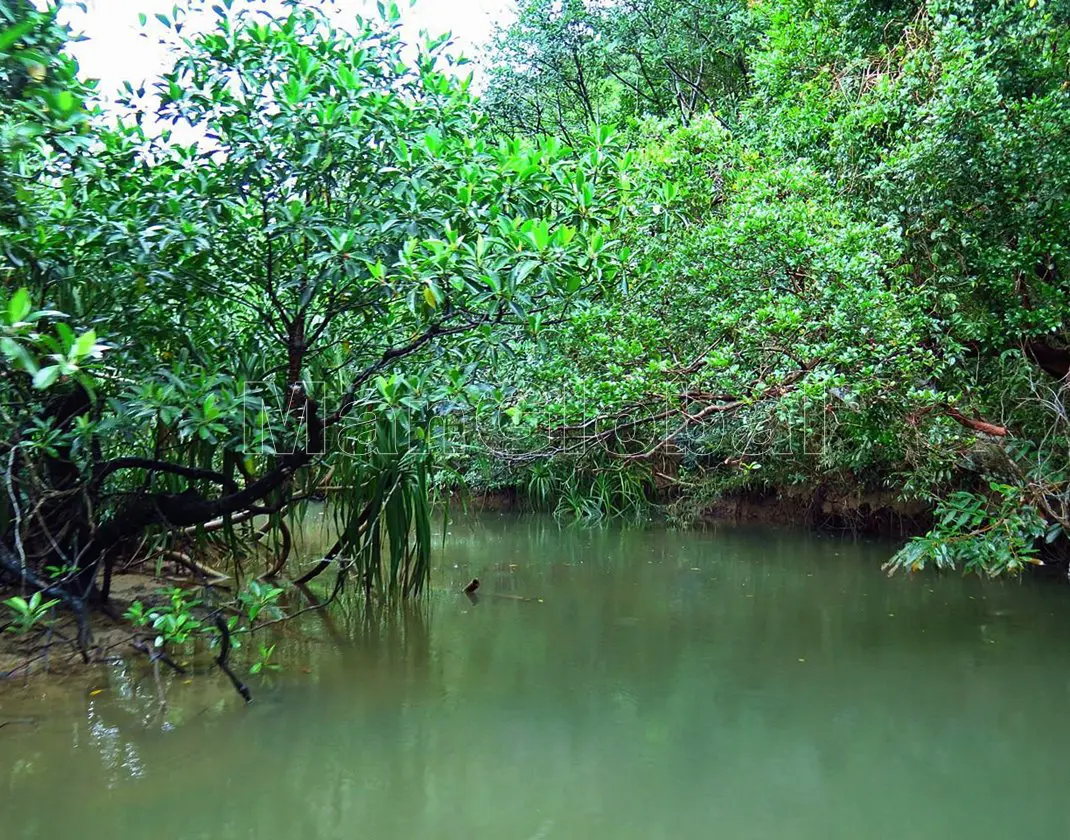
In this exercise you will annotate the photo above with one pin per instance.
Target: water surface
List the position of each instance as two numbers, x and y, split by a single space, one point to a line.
651 684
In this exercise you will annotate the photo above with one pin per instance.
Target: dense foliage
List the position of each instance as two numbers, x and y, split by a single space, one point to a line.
823 251
855 274
206 329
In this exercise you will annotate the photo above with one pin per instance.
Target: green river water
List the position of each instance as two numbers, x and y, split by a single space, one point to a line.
721 684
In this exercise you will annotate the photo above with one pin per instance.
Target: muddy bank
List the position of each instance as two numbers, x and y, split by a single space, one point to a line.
821 508
824 509
53 650
504 500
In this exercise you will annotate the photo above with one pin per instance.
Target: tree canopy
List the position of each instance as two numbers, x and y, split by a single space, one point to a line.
199 332
855 265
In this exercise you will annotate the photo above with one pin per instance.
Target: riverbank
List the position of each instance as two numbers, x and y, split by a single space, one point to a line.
824 509
52 652
52 648
820 508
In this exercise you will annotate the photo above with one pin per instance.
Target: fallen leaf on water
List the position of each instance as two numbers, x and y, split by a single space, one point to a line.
801 659
187 682
96 691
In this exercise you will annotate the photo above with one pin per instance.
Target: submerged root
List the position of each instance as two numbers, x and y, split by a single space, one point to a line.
224 654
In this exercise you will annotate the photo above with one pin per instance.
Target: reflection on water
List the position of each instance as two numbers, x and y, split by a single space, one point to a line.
737 684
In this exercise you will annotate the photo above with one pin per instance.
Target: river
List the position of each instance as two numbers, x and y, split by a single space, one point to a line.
648 684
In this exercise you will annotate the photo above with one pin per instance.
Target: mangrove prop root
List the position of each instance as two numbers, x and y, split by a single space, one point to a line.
213 575
339 584
321 566
221 660
156 656
363 523
314 573
10 563
284 553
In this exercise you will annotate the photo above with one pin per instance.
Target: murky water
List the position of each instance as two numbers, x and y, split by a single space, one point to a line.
735 684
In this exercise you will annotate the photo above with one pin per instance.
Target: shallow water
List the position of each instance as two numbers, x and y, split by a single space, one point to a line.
736 684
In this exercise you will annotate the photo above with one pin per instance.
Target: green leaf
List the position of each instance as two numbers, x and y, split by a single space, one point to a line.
66 336
84 345
524 269
13 33
19 306
46 377
18 355
65 102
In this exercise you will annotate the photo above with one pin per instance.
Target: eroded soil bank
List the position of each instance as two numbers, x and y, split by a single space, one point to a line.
53 649
825 509
822 508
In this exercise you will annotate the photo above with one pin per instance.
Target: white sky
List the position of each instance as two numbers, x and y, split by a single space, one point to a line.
114 52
